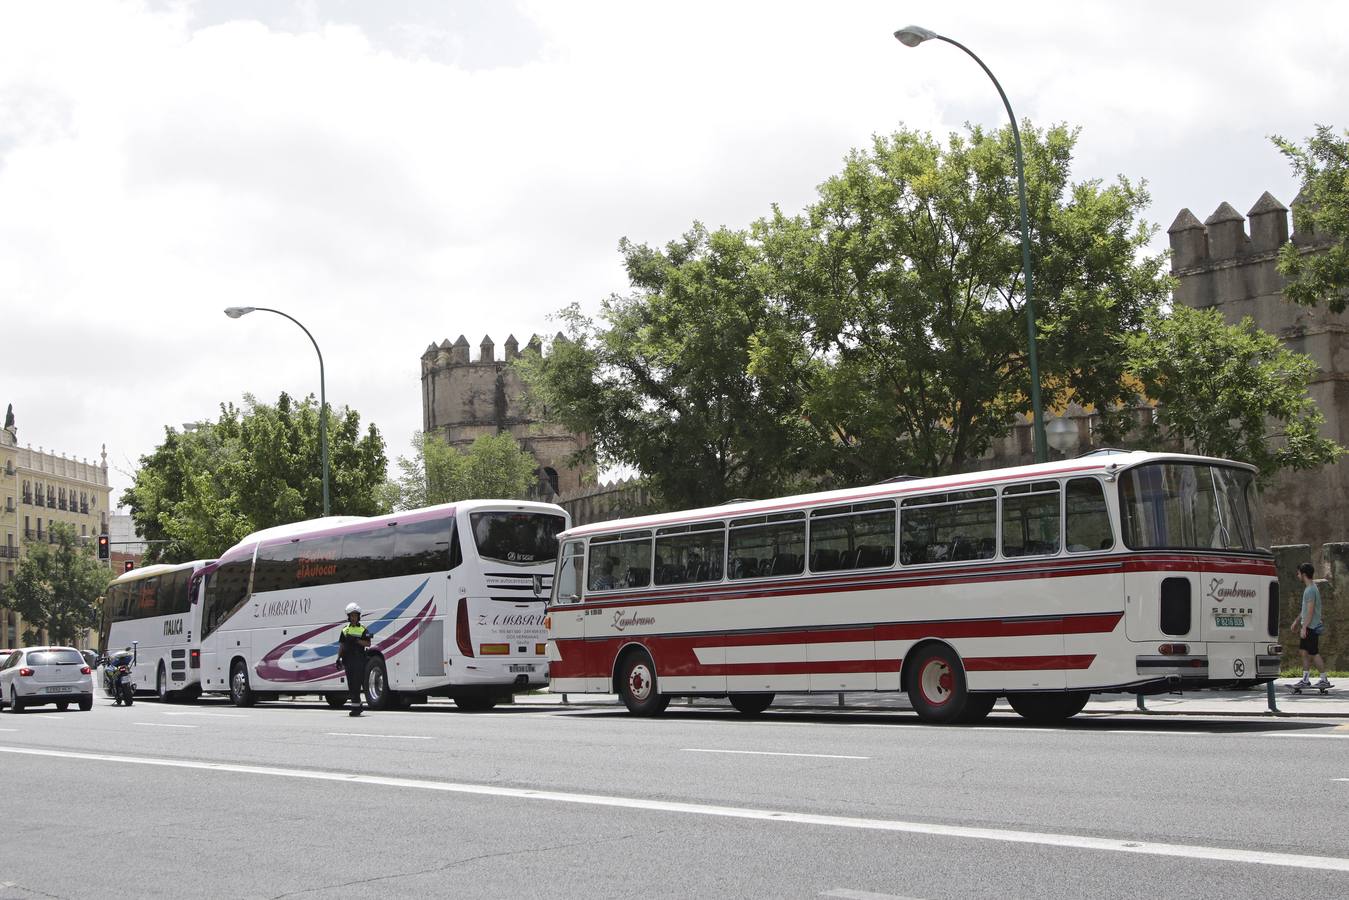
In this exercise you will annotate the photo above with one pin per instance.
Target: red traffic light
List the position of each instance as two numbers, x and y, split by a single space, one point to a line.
103 546
128 566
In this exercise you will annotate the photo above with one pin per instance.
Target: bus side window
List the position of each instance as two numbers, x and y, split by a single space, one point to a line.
367 555
422 548
1030 519
1086 518
570 571
226 590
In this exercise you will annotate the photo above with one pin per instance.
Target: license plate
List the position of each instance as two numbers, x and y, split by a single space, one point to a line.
521 667
1231 621
59 690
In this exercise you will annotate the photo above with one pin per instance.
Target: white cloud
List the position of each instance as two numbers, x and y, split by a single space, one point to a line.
470 167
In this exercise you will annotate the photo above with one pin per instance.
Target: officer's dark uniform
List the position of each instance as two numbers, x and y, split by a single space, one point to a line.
351 654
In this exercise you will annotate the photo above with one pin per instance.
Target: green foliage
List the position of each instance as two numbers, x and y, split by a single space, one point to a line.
57 587
203 490
664 383
905 279
493 467
1221 387
1322 275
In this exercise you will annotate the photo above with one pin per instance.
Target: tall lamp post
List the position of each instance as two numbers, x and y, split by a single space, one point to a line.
235 312
912 36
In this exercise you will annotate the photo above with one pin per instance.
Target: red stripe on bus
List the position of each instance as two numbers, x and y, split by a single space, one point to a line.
1027 663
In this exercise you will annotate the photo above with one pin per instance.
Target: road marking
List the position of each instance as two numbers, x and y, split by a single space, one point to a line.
9 729
848 894
1073 841
213 715
772 753
164 725
1299 734
401 737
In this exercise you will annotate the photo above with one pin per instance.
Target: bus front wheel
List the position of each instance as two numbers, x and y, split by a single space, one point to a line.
240 692
1050 708
637 685
936 684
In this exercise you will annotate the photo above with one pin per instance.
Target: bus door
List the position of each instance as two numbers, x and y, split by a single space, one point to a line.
567 653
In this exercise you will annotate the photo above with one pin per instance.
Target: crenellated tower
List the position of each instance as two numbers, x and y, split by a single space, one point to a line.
463 399
1229 262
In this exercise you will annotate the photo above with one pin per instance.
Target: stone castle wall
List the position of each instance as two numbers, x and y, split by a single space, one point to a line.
463 399
1223 264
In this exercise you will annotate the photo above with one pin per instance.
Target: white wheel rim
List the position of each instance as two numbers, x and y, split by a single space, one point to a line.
935 682
375 685
640 682
240 683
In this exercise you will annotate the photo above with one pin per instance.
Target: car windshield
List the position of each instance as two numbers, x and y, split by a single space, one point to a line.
1191 506
55 658
516 537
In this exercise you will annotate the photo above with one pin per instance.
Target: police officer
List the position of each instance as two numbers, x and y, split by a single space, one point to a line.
351 644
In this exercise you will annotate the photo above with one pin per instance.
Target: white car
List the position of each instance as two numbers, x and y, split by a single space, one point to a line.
35 676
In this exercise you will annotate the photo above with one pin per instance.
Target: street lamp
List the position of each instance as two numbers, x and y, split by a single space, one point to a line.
912 36
235 312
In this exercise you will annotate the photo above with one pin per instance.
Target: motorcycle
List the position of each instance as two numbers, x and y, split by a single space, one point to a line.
117 681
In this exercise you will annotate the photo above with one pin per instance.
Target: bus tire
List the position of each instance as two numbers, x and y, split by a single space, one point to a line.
475 704
162 684
637 685
241 694
377 693
751 704
977 708
335 701
936 684
1048 708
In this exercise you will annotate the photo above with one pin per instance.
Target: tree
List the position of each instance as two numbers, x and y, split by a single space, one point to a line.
57 586
493 467
904 279
663 382
1231 391
1320 275
205 488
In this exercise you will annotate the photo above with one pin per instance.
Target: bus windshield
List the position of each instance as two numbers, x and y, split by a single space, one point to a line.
516 537
1188 506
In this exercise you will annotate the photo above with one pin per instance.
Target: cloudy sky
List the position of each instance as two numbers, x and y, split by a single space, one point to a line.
398 172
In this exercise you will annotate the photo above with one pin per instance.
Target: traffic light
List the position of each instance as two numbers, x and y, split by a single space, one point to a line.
128 566
102 546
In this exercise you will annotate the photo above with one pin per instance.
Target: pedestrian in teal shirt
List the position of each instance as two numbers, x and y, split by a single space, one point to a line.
1308 626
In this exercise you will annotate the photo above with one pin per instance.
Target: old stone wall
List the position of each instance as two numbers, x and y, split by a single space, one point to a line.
605 502
1334 587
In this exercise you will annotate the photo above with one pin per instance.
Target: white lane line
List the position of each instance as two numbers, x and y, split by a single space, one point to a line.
848 894
9 729
1299 734
164 725
371 734
771 753
212 715
1073 841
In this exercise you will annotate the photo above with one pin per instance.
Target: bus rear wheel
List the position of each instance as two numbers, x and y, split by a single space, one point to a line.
936 685
240 692
335 701
637 685
1050 708
751 704
377 692
475 704
162 685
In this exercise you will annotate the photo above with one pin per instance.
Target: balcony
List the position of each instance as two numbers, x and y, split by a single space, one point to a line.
28 498
51 503
84 508
8 552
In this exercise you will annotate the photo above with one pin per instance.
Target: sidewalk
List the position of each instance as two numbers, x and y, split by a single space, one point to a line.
1334 705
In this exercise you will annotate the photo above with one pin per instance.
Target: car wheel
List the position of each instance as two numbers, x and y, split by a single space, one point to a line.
240 692
637 685
62 705
86 703
15 704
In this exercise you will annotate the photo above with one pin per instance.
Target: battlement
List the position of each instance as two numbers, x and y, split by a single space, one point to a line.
445 354
1223 237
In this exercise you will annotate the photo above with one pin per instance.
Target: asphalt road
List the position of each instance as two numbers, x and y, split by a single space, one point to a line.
532 801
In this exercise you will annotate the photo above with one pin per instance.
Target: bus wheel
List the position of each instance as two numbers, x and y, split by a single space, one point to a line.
1048 709
937 685
335 701
377 692
977 708
162 685
751 704
240 693
637 685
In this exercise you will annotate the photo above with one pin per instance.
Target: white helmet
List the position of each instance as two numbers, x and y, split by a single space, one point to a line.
353 608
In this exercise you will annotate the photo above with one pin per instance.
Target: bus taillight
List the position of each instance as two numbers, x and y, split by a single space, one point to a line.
461 629
194 655
1173 649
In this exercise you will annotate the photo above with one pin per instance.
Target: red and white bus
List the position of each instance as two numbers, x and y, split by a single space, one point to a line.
1137 572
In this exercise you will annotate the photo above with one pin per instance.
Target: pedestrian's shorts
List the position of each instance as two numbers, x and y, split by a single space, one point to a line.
1311 643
